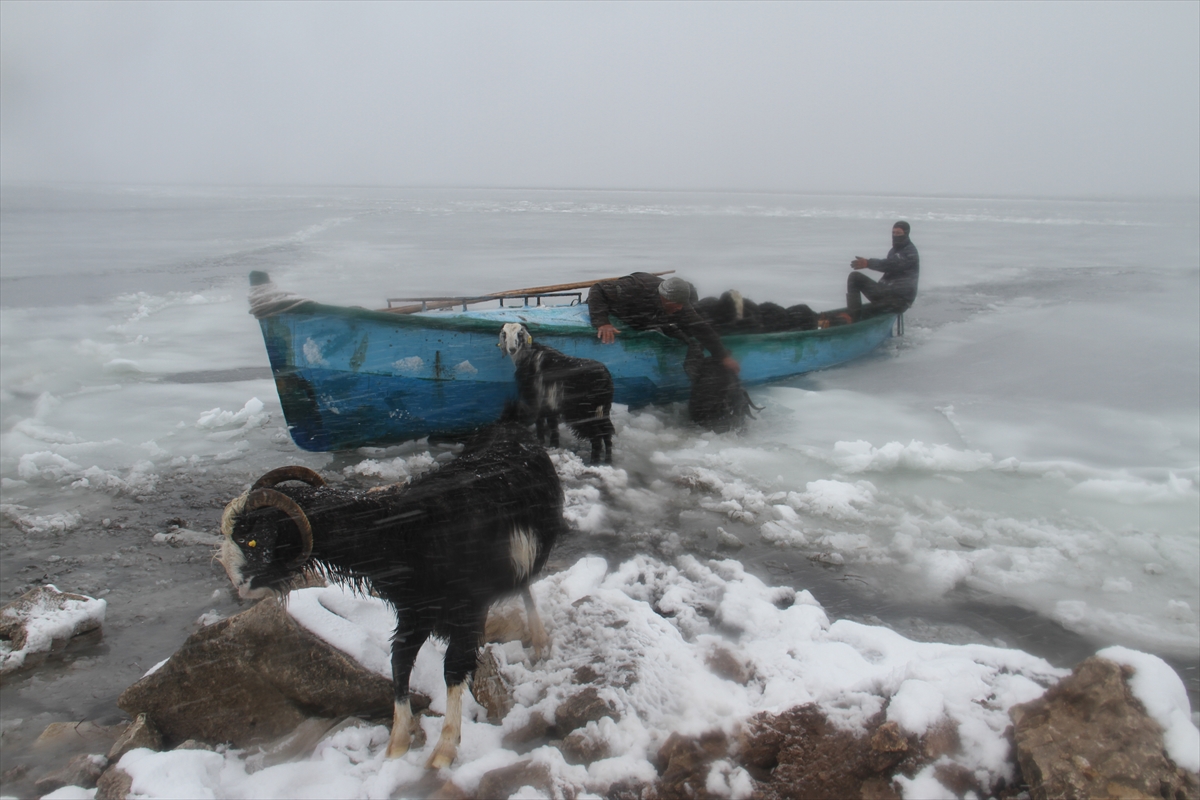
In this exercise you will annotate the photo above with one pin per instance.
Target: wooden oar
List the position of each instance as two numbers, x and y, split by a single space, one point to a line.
443 303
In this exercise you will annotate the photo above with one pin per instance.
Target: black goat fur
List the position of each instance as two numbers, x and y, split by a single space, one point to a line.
717 401
440 549
733 314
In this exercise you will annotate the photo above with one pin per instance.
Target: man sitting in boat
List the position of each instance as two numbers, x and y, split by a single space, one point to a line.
646 302
897 289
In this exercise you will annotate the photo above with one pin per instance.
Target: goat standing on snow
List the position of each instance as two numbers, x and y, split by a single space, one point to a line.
552 384
440 550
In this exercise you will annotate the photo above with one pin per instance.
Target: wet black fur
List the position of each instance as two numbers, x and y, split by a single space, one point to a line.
717 401
721 313
437 549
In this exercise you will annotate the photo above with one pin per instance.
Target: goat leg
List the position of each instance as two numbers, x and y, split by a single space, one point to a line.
462 656
405 646
447 744
537 632
402 721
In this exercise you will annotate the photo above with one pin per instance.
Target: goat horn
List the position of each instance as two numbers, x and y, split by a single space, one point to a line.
269 498
283 474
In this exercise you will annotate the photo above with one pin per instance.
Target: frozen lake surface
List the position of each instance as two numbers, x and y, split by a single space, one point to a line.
1020 469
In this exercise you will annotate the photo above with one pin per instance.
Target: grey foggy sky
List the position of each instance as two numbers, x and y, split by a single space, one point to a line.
1060 99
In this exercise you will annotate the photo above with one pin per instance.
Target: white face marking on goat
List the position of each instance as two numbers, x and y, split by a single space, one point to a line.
523 550
739 303
231 556
514 338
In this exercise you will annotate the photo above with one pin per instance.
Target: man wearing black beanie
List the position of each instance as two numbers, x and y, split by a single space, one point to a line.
897 289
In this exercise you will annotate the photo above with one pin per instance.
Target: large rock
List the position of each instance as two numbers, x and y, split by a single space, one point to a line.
582 707
580 746
504 782
726 664
140 733
114 784
490 688
1088 736
82 771
800 753
254 677
61 740
684 764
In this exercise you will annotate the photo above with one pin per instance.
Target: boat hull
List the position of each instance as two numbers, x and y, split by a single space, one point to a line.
349 377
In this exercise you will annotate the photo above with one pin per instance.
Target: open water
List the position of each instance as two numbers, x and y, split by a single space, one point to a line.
1022 466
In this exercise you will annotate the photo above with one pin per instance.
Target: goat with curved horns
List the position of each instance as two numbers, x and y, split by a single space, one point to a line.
553 384
439 550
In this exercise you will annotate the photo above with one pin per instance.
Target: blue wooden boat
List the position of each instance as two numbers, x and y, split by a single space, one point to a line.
352 377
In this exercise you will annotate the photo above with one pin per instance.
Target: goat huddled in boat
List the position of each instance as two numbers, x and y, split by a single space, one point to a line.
440 550
552 384
732 313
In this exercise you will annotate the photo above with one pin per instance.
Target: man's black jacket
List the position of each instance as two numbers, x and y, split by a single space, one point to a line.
634 300
900 271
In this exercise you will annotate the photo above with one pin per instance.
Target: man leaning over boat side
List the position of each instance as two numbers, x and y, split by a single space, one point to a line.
897 289
647 302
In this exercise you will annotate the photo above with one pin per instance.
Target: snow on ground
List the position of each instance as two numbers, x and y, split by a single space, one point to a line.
49 619
647 628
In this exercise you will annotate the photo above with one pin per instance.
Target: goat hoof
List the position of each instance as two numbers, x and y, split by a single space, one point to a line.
402 730
443 756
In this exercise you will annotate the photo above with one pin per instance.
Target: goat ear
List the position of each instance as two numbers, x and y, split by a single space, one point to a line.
528 338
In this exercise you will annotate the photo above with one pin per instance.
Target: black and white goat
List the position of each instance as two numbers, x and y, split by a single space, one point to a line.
553 385
440 550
